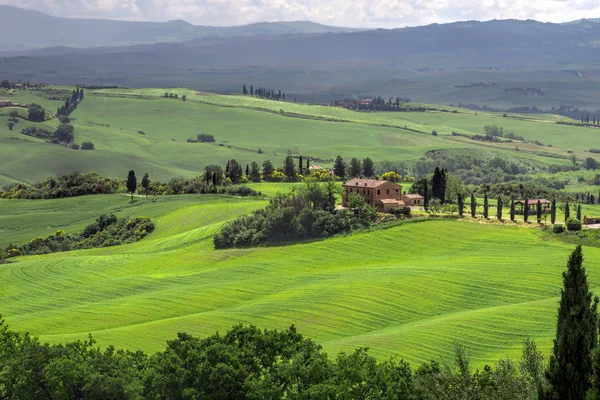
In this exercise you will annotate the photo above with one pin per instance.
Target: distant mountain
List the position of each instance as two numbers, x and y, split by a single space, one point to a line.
26 29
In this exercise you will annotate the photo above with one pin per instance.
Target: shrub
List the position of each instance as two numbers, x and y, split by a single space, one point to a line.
36 113
558 228
573 224
242 191
205 138
74 146
434 133
87 146
141 132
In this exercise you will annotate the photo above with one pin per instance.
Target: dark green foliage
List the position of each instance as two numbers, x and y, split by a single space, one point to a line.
512 210
289 168
538 210
306 213
254 172
355 168
553 212
235 171
461 205
438 184
62 186
37 132
579 212
573 224
87 146
242 191
499 209
213 174
65 133
106 231
526 210
267 169
205 138
590 163
36 113
558 228
567 211
368 167
146 183
131 183
339 167
570 367
485 206
473 206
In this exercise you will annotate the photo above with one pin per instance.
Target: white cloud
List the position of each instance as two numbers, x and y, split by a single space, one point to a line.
356 13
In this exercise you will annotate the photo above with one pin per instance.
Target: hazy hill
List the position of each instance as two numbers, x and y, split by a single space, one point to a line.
26 29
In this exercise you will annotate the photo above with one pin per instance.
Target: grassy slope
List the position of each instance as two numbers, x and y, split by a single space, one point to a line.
247 124
407 290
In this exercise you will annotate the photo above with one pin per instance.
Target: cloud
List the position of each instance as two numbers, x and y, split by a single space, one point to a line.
355 13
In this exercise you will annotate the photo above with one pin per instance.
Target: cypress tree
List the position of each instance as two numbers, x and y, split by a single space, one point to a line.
567 212
247 170
473 206
227 167
592 199
499 209
426 197
214 179
251 90
131 183
526 210
485 205
300 166
539 211
307 165
553 212
570 367
339 167
512 210
461 205
579 212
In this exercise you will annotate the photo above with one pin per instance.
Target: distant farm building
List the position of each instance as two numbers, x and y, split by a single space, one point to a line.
413 199
532 205
5 103
315 168
366 102
383 195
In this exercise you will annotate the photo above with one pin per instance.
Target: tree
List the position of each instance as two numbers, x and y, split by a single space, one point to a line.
65 133
5 84
131 183
579 212
146 183
538 210
36 113
251 90
438 184
425 195
553 212
339 167
512 210
235 171
289 168
473 206
485 205
247 170
567 211
526 210
354 167
267 169
570 367
301 165
461 205
184 97
10 125
368 167
244 90
87 146
499 209
214 179
254 172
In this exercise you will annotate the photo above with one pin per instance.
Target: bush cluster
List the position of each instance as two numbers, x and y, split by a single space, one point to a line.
71 185
248 363
306 213
106 231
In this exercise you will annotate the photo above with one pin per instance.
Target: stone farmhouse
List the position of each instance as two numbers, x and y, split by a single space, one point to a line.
5 103
383 195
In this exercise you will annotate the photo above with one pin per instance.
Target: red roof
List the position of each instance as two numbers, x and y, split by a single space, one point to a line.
368 183
534 201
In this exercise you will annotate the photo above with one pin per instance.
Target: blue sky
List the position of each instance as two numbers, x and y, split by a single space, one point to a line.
351 13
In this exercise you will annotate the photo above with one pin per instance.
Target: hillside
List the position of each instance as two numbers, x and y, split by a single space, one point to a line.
488 286
27 29
112 119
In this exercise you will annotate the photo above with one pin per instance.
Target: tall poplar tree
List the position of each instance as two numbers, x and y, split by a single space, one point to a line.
461 205
579 212
526 210
553 212
512 210
473 206
570 368
499 209
426 197
567 211
146 183
485 206
131 183
538 210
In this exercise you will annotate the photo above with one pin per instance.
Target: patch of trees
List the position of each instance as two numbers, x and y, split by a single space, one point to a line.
106 231
308 212
378 103
71 102
64 134
263 93
36 113
70 185
250 363
526 91
202 138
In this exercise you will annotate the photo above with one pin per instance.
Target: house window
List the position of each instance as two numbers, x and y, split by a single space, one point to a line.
379 192
364 191
396 190
388 191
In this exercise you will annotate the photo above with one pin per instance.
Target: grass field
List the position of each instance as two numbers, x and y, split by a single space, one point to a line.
113 119
410 290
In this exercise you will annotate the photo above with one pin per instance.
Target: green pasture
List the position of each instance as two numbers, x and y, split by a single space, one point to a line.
411 290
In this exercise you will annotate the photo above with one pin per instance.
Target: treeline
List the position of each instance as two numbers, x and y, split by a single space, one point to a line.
378 103
71 103
264 93
308 212
249 363
106 231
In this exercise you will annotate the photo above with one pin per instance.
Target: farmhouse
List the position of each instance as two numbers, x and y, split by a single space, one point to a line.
532 204
383 195
413 199
5 103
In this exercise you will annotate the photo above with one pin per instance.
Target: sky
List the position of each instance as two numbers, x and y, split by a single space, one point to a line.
347 13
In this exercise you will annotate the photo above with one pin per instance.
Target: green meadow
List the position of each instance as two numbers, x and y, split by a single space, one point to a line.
410 289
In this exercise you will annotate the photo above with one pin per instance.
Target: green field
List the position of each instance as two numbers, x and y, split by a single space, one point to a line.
112 120
410 290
